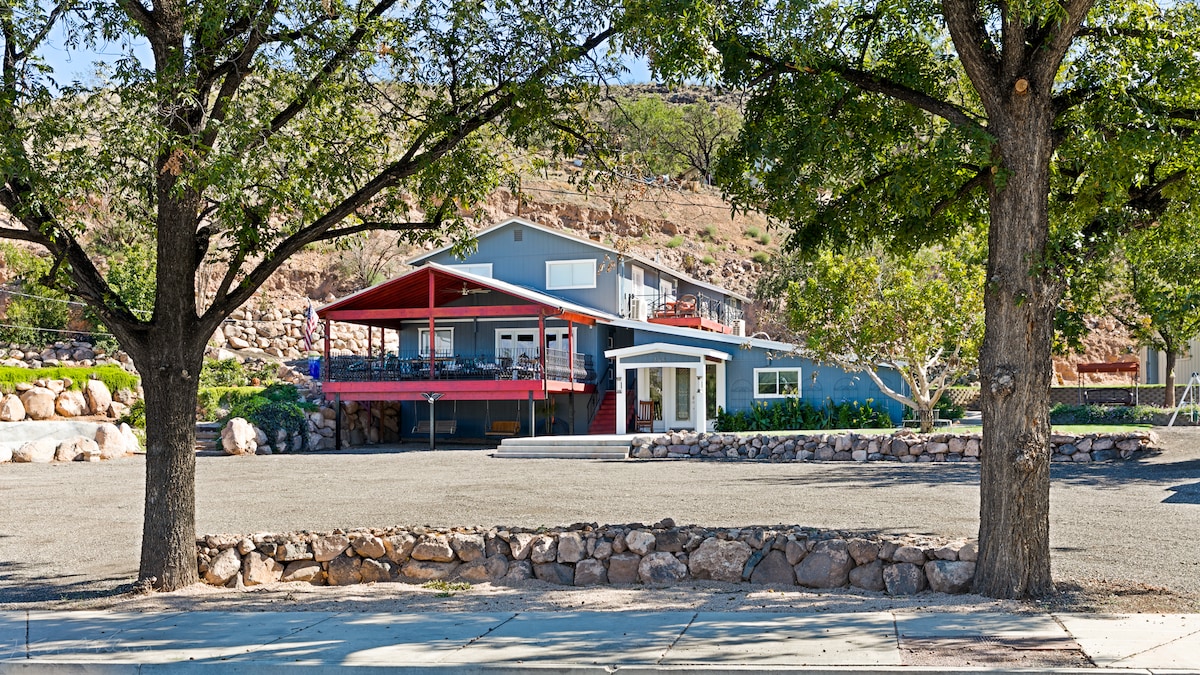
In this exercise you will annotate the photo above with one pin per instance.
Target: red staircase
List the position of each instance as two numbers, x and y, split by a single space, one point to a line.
605 420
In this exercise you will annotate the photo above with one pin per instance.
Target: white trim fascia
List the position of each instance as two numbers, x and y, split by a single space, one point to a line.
665 348
414 261
678 331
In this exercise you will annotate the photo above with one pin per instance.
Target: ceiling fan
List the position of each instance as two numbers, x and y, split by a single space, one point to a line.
470 291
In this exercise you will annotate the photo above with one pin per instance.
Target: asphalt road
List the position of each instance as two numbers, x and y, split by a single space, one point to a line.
73 530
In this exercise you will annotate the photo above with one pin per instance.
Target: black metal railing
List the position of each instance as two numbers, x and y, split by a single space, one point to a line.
508 364
686 305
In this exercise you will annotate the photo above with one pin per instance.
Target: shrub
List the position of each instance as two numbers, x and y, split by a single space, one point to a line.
708 260
709 233
278 407
223 373
213 402
764 239
793 413
135 416
1099 414
762 257
675 242
752 232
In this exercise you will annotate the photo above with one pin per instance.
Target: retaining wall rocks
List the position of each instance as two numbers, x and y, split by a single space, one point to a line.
590 555
902 446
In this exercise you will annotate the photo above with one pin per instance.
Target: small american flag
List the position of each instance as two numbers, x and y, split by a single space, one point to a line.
310 327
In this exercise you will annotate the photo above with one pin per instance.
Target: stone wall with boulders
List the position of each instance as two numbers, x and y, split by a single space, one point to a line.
280 333
902 446
588 555
66 354
362 423
109 441
54 399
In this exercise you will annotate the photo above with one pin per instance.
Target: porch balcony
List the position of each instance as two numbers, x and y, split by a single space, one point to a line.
691 310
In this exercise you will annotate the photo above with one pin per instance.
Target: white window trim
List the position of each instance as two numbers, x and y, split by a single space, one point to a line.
466 267
423 339
799 382
550 263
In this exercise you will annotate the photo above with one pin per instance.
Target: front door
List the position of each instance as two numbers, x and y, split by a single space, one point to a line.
671 391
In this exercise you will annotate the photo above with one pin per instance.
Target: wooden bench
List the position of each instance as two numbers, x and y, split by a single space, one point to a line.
504 428
440 427
1113 397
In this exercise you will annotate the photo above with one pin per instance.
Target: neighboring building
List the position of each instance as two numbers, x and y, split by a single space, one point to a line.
539 315
1155 370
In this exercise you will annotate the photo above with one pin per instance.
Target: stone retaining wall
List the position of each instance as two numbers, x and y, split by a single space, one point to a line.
902 446
589 555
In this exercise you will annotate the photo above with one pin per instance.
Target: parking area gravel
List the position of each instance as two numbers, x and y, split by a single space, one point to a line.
70 531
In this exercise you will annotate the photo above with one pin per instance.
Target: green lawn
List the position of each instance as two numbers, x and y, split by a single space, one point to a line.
1079 429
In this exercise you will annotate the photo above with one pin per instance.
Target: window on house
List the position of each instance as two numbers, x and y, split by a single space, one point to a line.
561 274
513 342
478 269
443 341
776 382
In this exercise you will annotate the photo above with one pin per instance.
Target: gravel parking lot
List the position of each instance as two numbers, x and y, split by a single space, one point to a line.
73 530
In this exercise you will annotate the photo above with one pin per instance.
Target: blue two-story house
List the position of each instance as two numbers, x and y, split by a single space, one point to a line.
539 331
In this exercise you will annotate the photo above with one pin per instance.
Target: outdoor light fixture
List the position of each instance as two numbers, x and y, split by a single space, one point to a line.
432 397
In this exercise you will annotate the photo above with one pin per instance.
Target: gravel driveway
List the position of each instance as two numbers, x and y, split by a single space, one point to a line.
73 530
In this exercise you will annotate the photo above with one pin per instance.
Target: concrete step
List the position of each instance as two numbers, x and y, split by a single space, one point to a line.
208 436
566 447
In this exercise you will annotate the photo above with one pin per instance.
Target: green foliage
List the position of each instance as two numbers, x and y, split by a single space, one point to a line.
277 407
675 242
114 377
753 232
796 414
223 373
709 233
131 275
765 239
708 260
214 402
948 410
661 138
446 588
135 416
761 257
1099 414
40 307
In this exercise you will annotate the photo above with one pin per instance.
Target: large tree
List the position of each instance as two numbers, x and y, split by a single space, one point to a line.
252 129
918 314
1051 121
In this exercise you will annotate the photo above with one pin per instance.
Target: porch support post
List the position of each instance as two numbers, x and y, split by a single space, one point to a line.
622 410
532 416
542 363
432 331
325 368
337 422
370 337
571 379
699 399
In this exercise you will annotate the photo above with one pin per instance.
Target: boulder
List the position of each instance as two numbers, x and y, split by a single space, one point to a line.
223 567
433 548
519 570
909 554
862 551
555 573
520 544
77 448
303 570
258 568
98 398
773 570
571 548
70 403
39 403
132 444
903 579
238 438
111 442
590 572
344 571
544 550
466 546
330 547
399 547
946 576
795 552
11 408
375 571
40 451
868 577
428 570
369 547
481 570
640 542
828 566
623 568
661 568
719 560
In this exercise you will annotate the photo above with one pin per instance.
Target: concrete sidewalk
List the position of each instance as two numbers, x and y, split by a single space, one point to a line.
111 643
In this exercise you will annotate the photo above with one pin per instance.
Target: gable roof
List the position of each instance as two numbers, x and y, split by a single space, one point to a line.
412 290
641 260
667 348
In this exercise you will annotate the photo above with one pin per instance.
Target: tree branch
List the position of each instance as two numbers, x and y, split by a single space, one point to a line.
1045 61
975 48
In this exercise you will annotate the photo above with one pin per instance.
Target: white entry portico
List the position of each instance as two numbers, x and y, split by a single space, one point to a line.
690 383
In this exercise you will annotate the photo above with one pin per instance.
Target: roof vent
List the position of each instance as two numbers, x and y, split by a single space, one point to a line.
519 234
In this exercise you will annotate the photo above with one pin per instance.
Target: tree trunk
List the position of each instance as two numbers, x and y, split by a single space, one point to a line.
925 415
169 380
1169 378
1015 362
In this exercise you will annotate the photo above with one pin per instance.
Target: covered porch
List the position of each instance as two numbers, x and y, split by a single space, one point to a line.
663 387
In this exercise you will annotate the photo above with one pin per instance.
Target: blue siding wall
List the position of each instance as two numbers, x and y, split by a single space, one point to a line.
524 263
818 382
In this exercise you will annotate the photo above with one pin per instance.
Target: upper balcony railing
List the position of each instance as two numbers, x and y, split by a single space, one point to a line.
700 305
509 364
